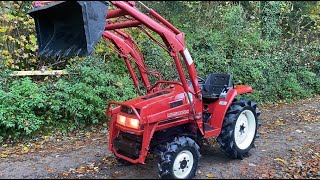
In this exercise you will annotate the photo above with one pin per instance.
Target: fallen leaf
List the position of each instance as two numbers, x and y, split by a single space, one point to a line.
81 169
88 134
210 175
65 173
278 122
281 160
4 155
50 170
96 168
25 148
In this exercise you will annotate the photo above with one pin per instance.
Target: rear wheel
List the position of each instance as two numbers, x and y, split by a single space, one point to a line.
239 129
180 159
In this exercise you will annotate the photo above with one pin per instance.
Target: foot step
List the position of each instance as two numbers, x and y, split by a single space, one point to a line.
207 127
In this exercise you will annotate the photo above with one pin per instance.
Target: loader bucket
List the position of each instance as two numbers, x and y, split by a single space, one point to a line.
69 28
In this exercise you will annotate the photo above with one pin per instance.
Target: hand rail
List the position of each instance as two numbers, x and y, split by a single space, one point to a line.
123 104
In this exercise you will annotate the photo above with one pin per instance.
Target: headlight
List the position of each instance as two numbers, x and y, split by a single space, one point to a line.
121 120
128 122
132 123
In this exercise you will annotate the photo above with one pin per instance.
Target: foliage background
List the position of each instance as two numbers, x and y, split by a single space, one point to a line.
271 45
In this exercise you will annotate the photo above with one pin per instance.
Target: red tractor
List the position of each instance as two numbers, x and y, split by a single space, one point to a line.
173 117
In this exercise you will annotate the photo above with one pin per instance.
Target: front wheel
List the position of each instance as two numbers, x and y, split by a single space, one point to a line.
180 159
239 128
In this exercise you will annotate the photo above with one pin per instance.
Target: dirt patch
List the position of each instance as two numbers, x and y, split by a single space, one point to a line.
288 147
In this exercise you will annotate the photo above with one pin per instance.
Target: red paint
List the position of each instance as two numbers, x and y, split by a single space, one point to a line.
116 13
122 25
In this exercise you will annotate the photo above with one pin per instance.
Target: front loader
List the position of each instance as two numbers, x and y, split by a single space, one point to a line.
173 117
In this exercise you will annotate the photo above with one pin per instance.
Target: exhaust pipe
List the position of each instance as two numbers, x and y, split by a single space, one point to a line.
69 28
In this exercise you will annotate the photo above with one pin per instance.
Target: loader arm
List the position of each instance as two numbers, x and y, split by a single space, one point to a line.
174 42
171 36
125 48
130 16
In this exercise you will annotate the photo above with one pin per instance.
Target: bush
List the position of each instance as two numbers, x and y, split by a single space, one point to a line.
79 100
21 109
18 42
71 102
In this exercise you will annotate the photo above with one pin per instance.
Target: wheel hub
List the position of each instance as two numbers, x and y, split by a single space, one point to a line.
183 164
242 128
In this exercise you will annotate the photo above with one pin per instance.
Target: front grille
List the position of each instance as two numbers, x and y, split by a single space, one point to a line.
128 145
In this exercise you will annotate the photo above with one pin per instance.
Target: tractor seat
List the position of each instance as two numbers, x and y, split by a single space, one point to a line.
214 85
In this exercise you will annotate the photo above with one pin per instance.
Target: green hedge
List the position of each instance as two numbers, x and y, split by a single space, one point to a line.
74 101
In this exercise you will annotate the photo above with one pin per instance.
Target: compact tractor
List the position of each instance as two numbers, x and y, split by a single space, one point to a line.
172 118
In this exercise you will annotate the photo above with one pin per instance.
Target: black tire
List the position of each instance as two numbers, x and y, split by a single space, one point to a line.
227 136
178 148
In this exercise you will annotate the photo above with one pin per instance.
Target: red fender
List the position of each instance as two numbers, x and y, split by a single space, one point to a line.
219 108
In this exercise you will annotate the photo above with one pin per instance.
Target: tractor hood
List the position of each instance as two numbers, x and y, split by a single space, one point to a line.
153 103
